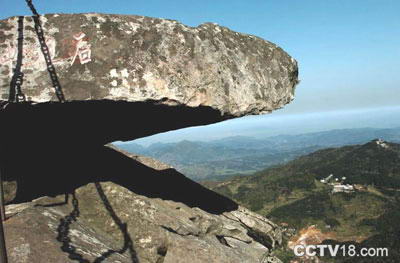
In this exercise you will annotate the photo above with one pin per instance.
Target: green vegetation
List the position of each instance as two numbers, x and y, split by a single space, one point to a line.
223 158
293 194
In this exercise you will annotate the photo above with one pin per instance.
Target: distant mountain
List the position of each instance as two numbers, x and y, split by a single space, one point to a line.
334 138
241 155
133 147
294 194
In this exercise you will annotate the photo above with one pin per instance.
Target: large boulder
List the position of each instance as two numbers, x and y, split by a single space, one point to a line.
135 58
127 77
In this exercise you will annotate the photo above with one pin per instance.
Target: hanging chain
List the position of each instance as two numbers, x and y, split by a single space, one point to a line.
46 52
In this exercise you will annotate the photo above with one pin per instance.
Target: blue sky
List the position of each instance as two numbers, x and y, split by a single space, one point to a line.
348 50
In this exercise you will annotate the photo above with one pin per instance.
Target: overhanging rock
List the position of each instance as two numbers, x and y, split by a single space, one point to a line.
127 77
136 58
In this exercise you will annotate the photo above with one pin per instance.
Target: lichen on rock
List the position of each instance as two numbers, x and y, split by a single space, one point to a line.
136 58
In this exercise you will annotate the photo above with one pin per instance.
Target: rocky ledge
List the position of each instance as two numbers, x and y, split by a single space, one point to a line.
127 77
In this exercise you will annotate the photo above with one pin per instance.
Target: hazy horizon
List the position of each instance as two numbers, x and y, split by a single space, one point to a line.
283 124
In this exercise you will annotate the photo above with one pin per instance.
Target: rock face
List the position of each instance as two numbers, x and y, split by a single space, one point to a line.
126 77
106 222
136 58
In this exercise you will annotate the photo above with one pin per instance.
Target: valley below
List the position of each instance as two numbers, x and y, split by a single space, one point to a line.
358 204
339 187
243 155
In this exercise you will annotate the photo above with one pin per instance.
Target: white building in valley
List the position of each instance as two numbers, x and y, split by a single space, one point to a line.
338 185
343 188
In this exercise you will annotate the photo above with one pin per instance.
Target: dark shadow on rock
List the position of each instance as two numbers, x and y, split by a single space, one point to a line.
63 233
98 122
49 156
56 172
128 243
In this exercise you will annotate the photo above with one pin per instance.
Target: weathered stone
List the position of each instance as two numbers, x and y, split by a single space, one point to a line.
136 58
127 77
31 237
114 224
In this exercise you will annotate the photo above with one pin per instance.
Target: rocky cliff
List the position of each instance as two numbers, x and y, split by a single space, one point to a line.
126 77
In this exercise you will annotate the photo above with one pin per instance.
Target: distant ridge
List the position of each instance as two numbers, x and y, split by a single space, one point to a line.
245 155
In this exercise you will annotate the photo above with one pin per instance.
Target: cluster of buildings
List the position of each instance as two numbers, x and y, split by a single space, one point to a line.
382 143
338 185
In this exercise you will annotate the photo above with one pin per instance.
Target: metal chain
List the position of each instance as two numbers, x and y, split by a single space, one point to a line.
46 52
